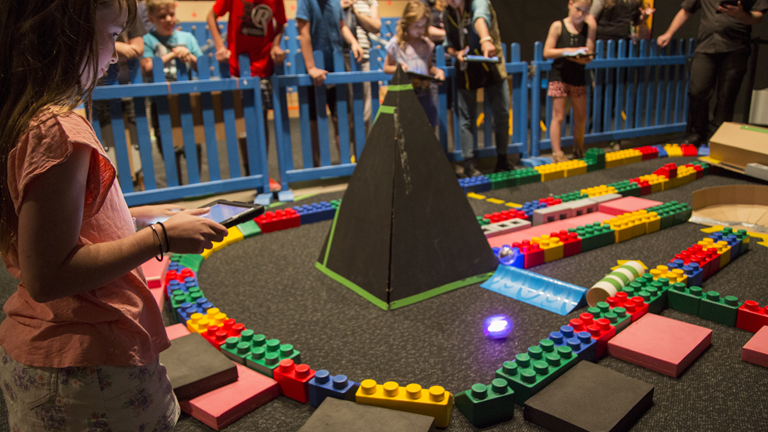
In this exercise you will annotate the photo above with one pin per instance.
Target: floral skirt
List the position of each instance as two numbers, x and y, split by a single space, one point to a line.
95 398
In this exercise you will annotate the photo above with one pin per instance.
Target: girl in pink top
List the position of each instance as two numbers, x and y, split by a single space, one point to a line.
79 347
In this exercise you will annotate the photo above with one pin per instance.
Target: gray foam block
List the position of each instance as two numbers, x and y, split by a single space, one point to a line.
336 415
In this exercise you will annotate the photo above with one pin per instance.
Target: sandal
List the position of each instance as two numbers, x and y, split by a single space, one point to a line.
578 153
559 157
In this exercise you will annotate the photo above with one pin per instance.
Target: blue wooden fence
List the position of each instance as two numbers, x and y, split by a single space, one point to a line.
638 90
634 93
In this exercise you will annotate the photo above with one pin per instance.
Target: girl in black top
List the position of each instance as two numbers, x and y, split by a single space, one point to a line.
570 42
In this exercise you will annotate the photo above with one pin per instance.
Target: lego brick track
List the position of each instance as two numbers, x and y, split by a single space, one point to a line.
270 284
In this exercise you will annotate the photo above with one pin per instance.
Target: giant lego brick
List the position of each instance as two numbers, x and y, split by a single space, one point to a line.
627 204
486 405
723 310
324 385
538 231
552 213
752 317
756 350
505 227
278 220
435 402
195 367
336 415
154 271
590 398
530 372
662 344
221 407
294 380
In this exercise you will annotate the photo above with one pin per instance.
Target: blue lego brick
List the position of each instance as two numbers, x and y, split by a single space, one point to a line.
704 150
581 343
324 385
516 259
695 274
200 306
530 206
662 152
174 285
479 183
731 239
315 212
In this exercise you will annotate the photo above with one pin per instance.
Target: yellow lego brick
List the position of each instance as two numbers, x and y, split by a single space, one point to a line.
656 187
613 163
652 222
198 323
552 246
206 253
215 317
217 246
623 231
475 196
579 170
725 253
552 175
673 150
435 402
598 190
234 236
515 205
659 271
495 201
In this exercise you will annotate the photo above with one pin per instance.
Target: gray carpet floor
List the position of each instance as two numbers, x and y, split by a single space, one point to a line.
269 283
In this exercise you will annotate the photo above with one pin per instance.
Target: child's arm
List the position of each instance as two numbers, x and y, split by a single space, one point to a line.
222 53
550 52
390 65
132 50
435 71
55 266
305 41
184 54
372 23
354 47
487 46
276 53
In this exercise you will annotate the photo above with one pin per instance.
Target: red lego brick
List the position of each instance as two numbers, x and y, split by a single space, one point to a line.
154 271
294 380
223 406
571 242
551 201
635 306
505 215
752 317
661 344
601 330
215 336
699 171
756 350
668 170
532 252
279 220
689 150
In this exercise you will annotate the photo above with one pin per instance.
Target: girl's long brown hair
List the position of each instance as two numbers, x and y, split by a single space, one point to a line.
48 44
414 11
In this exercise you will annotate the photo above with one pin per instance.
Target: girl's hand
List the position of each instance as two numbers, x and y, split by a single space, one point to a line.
147 215
190 233
404 66
489 49
223 54
440 75
277 54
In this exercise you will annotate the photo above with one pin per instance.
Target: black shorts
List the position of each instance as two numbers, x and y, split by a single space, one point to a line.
330 100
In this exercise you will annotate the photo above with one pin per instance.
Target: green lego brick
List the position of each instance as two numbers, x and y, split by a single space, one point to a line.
266 355
617 316
653 292
721 310
502 180
487 405
683 213
238 348
336 203
482 221
249 229
685 299
571 196
178 297
594 236
191 261
532 371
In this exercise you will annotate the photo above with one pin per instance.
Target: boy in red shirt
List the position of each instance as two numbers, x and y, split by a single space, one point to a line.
255 28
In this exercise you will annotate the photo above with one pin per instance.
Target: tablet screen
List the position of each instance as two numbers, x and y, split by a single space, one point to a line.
222 212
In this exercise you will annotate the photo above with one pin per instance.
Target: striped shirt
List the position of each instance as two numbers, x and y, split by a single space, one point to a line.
364 7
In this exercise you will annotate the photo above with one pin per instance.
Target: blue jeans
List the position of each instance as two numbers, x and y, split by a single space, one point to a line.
466 104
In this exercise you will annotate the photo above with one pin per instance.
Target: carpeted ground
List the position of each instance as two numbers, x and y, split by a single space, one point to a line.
269 283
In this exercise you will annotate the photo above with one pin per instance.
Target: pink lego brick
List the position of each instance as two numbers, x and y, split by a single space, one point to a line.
538 231
661 344
756 350
176 331
154 271
627 205
223 406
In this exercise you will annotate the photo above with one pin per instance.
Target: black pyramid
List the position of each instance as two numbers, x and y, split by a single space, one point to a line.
405 230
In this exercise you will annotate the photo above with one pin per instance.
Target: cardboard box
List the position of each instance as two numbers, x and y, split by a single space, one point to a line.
737 144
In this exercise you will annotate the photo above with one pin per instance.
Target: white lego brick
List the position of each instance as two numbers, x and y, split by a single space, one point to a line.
551 214
506 227
606 198
583 206
756 170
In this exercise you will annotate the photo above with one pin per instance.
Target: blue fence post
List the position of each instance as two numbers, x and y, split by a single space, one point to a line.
670 83
282 126
650 100
691 49
640 101
121 145
679 84
629 105
519 103
306 134
209 122
322 115
253 114
442 100
358 108
187 127
538 59
342 109
230 128
619 83
609 94
597 99
164 125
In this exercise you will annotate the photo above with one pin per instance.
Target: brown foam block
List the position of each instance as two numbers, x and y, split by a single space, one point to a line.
756 350
223 406
195 367
336 415
661 344
589 398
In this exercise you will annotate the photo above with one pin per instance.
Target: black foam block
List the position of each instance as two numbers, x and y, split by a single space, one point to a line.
195 367
336 415
590 398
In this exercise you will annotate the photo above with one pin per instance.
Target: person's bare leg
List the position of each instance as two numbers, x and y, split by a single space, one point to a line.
555 128
579 105
337 140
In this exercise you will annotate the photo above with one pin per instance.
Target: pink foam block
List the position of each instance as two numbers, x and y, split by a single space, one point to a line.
176 331
627 205
154 271
221 407
159 295
756 350
537 231
661 344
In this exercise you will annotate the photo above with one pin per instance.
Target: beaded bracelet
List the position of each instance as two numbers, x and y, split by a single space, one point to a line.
167 242
160 257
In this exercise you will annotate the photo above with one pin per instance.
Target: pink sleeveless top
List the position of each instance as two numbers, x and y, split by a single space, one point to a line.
118 324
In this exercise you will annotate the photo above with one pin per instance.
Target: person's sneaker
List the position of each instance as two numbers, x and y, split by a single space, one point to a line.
615 145
470 170
274 186
502 164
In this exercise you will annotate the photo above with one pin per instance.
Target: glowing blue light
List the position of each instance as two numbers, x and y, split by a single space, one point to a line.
507 255
498 326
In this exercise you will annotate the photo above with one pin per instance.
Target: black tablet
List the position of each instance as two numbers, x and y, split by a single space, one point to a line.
422 76
231 213
481 59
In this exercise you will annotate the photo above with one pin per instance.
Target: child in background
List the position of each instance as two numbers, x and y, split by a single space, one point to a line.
321 26
166 42
412 49
471 27
569 42
80 343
